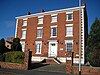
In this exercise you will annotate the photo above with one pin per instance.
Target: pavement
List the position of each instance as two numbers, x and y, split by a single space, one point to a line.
37 69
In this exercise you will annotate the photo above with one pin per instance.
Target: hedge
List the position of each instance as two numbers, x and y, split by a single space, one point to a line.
15 57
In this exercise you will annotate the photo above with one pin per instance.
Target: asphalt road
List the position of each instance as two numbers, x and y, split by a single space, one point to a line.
27 72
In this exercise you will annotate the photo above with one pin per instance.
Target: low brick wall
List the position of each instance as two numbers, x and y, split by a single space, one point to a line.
13 66
86 70
25 66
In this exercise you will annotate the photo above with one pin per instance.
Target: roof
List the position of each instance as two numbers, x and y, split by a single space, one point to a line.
50 12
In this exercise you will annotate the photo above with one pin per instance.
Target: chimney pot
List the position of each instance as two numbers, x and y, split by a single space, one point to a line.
42 10
28 13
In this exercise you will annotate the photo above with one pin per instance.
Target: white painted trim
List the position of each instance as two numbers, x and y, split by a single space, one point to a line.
50 42
53 26
69 24
25 19
83 38
16 28
54 15
51 12
40 42
67 16
68 41
24 29
39 27
38 58
23 42
72 32
22 34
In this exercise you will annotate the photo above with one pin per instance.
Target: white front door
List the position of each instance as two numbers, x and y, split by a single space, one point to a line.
52 49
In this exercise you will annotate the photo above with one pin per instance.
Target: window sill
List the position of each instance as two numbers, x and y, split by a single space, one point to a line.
69 35
70 20
53 36
23 38
39 37
37 53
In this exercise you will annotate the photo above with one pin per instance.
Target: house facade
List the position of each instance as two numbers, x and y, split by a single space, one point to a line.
53 33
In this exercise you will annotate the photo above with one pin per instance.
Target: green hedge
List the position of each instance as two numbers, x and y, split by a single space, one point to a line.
15 57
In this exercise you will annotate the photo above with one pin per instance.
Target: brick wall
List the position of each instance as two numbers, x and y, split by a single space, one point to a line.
25 66
31 34
72 69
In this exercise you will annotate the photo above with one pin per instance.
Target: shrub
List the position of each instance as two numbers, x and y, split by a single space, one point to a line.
95 58
15 57
1 57
16 45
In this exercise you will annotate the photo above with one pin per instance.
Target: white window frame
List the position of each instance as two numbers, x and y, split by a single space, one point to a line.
69 41
68 25
24 37
51 33
23 45
67 16
40 18
37 32
52 18
38 51
25 22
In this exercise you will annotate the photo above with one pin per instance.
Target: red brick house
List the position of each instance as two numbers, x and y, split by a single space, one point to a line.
53 33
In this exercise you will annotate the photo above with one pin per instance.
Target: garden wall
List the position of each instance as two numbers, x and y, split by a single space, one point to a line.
85 70
25 66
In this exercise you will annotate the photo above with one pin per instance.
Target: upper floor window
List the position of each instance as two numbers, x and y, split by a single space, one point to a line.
69 30
54 18
39 32
53 31
40 20
69 16
25 22
23 33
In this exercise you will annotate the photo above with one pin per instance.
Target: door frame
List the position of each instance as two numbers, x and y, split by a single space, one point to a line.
49 48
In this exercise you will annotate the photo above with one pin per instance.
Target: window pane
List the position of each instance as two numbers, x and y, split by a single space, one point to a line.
24 22
69 16
69 30
54 18
69 47
53 31
38 48
23 34
39 33
40 20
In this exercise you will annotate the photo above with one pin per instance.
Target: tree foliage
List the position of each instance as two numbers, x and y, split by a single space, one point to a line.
93 44
2 46
16 46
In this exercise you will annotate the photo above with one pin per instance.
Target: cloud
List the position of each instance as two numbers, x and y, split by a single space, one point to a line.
9 24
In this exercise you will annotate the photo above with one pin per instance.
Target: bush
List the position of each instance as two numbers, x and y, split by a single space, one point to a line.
15 57
1 57
95 58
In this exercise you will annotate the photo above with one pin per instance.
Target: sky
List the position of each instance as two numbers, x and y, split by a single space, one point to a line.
9 9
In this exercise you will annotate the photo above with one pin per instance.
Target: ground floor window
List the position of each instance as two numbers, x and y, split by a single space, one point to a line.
69 45
38 47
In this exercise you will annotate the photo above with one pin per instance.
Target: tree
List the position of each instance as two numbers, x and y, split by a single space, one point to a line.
2 46
16 46
93 44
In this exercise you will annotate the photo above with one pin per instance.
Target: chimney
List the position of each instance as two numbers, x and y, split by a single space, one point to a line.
28 13
42 10
83 4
